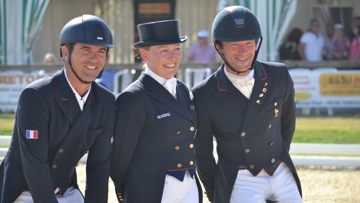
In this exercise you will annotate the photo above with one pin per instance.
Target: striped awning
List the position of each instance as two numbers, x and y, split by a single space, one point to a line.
274 17
20 22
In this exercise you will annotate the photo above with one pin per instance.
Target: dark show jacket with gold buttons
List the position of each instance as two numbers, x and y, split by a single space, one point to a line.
154 133
251 134
65 134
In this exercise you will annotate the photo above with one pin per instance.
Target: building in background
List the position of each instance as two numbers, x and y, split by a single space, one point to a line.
277 18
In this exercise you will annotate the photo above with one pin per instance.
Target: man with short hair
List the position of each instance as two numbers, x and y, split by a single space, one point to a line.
312 43
248 106
61 118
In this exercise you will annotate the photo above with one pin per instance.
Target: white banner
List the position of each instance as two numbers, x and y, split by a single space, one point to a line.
326 88
11 85
317 88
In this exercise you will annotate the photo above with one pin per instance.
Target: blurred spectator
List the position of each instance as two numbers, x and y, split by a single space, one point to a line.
49 59
202 51
341 43
355 20
289 49
355 44
311 47
329 39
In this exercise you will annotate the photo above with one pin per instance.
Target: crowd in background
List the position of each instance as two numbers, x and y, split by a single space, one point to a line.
311 45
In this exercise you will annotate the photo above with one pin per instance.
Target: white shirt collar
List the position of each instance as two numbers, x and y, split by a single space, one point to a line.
158 78
238 78
162 80
81 100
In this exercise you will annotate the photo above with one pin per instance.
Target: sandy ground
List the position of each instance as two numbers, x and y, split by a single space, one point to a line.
320 185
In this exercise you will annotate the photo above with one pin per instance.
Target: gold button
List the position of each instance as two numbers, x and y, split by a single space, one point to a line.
273 160
179 165
121 199
192 128
266 84
269 126
261 95
264 90
61 150
243 134
191 163
275 104
247 150
191 146
178 132
258 101
252 166
177 147
54 166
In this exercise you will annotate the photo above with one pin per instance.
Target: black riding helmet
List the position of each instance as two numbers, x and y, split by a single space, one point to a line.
236 23
86 29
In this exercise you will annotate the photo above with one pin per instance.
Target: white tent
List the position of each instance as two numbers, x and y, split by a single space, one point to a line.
274 17
20 22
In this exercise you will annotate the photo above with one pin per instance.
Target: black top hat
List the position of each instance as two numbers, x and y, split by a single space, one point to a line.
159 33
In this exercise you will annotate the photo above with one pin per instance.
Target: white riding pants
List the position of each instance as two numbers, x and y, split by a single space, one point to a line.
176 191
280 187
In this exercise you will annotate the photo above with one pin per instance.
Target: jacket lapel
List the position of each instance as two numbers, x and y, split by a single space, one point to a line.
227 93
183 98
259 93
84 119
65 97
68 104
159 93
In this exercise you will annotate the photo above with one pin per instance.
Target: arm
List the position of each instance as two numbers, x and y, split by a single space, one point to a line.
204 157
301 48
33 114
191 54
98 162
288 112
130 119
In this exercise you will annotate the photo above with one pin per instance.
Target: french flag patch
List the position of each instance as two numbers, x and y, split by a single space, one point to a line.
31 134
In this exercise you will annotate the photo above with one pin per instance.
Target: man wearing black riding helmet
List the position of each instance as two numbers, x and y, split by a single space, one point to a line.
61 118
248 106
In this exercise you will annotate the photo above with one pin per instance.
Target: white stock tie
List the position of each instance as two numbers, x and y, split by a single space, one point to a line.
245 87
170 85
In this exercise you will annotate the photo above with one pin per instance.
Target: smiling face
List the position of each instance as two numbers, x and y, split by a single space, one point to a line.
163 60
87 61
239 54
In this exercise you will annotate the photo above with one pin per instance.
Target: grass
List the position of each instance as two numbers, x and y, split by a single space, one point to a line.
6 124
334 130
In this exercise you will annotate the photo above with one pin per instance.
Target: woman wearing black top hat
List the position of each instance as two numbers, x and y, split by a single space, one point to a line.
153 158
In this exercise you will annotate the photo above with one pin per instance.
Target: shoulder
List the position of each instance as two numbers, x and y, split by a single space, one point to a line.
45 86
273 68
182 85
306 36
135 91
102 92
207 85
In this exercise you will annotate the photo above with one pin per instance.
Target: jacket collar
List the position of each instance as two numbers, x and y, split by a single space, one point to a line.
222 80
159 93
